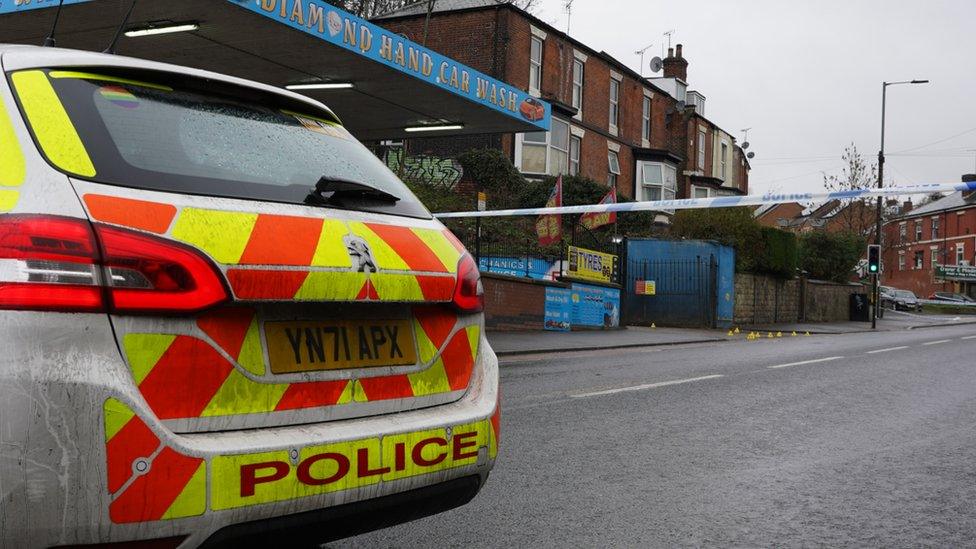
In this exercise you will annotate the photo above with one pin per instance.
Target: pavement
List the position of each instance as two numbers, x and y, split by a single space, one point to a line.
857 439
541 342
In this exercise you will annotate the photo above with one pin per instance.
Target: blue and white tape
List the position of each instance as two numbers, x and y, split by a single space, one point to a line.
721 201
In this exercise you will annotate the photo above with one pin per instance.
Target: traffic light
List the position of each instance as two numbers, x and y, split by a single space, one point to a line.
874 258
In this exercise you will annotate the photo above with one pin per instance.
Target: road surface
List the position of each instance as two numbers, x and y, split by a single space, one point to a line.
858 439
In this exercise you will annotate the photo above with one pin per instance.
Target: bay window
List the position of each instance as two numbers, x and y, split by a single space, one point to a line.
544 153
657 181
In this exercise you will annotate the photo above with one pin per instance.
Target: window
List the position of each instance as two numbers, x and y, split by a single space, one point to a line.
658 181
575 143
901 261
960 254
934 252
935 228
646 119
902 232
614 104
578 87
919 259
725 154
545 153
614 168
701 150
535 66
918 230
700 192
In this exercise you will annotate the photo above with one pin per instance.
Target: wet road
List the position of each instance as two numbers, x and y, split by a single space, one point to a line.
859 439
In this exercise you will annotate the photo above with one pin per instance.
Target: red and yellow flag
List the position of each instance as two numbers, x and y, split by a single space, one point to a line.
599 219
549 227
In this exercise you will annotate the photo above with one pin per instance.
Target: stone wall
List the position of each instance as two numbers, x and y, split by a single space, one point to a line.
766 300
829 301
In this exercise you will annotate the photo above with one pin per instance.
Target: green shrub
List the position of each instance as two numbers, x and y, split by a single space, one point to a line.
780 256
830 256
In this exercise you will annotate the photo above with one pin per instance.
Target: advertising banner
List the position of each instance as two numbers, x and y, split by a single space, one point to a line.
559 309
592 265
595 306
956 272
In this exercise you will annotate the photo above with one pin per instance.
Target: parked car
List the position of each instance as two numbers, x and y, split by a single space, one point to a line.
905 300
887 296
224 320
951 297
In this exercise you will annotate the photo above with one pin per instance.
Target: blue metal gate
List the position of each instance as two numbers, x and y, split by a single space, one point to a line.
683 292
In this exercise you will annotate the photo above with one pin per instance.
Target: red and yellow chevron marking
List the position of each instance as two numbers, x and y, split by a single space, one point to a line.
148 480
183 376
13 167
279 257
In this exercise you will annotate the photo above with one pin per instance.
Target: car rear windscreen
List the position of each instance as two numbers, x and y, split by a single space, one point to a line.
186 140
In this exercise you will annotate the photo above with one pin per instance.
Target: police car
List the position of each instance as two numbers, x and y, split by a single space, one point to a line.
223 319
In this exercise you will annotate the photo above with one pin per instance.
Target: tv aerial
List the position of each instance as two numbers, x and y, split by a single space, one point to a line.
640 52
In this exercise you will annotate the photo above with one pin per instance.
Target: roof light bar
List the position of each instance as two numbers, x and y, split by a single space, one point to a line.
161 29
321 86
441 128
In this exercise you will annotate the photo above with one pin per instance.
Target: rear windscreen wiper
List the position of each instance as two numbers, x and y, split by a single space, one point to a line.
335 191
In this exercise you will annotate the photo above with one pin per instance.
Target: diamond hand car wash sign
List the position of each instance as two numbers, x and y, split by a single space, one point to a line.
343 29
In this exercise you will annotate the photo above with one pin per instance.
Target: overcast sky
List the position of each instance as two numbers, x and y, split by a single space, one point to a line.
806 77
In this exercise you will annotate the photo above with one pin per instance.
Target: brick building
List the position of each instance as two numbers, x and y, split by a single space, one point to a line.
939 233
648 137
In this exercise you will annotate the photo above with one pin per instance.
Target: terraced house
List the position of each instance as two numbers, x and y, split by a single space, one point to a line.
649 137
932 248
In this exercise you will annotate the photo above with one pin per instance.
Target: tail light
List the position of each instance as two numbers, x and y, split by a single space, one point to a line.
469 294
62 264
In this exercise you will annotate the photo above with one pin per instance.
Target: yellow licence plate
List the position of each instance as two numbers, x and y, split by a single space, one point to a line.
306 346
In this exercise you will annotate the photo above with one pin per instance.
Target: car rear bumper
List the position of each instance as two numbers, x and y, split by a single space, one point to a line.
84 461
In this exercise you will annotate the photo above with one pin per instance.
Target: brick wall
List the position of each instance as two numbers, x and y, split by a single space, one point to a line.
955 227
513 303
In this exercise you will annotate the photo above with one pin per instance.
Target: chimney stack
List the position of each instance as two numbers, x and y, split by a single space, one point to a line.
676 66
906 207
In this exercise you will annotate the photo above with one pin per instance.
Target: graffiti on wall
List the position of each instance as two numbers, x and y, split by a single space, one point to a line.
443 172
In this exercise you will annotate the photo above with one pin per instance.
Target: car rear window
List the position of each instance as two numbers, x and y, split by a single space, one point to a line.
180 138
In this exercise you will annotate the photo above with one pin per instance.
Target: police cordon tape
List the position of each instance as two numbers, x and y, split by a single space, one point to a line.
720 202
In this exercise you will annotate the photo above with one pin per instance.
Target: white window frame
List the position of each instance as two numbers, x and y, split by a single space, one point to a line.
960 253
519 145
535 66
919 260
935 228
696 189
667 188
918 230
701 149
901 261
574 162
902 231
614 105
934 252
613 167
646 119
724 151
577 93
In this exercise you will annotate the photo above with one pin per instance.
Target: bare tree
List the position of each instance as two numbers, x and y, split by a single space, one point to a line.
856 215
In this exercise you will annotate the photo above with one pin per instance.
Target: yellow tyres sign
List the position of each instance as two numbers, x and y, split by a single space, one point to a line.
591 265
252 479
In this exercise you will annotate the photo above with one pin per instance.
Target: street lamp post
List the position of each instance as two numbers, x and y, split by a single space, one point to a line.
875 279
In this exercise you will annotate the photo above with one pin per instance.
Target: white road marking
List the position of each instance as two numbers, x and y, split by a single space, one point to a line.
888 349
645 386
814 361
969 337
937 342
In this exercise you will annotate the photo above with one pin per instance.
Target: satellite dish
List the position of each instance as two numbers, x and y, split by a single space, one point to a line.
745 145
656 64
751 155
